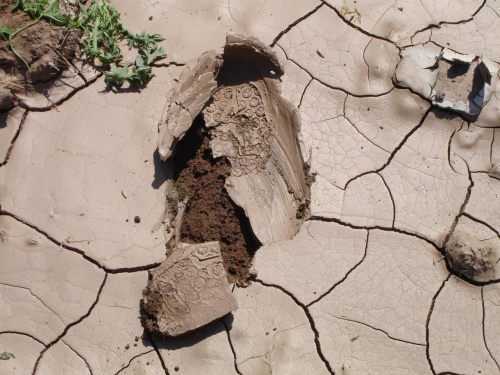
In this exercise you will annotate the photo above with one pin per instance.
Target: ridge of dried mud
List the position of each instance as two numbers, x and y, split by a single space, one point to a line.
211 215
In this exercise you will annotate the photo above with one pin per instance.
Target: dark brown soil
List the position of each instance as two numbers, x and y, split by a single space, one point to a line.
211 214
151 310
46 48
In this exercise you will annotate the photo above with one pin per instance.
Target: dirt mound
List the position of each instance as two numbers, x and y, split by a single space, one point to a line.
47 50
211 214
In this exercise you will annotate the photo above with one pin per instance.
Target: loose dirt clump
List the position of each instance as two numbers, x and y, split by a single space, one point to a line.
211 215
46 48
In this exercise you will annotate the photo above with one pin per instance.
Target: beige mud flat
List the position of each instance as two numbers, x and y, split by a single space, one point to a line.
364 287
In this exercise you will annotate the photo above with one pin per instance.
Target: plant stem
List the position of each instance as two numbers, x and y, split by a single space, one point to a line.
25 27
11 36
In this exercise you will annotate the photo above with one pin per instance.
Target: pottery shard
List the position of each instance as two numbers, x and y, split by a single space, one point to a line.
250 124
187 291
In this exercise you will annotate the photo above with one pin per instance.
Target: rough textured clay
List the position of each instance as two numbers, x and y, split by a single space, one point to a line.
474 258
252 126
187 291
454 81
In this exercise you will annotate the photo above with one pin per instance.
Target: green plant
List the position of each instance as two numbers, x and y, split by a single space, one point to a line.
100 24
6 356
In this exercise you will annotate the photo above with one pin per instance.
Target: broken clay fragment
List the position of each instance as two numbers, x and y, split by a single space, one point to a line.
476 259
450 80
187 291
250 124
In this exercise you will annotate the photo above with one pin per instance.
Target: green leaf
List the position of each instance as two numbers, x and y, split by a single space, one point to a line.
102 30
153 54
5 31
116 77
6 356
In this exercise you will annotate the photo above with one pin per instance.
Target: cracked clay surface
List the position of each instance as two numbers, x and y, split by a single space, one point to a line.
393 271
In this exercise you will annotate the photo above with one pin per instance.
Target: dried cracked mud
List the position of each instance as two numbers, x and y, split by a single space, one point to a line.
393 271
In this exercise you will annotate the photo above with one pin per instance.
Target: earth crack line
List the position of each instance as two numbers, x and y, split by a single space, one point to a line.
78 354
392 200
309 317
377 329
349 23
231 345
157 351
69 326
465 214
131 359
365 137
462 208
23 334
34 295
385 229
491 146
14 139
283 32
395 151
304 92
427 331
86 84
78 251
345 276
484 329
330 86
479 9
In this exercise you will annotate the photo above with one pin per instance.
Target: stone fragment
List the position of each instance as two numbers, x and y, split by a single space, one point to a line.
187 291
473 257
251 125
450 80
195 87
